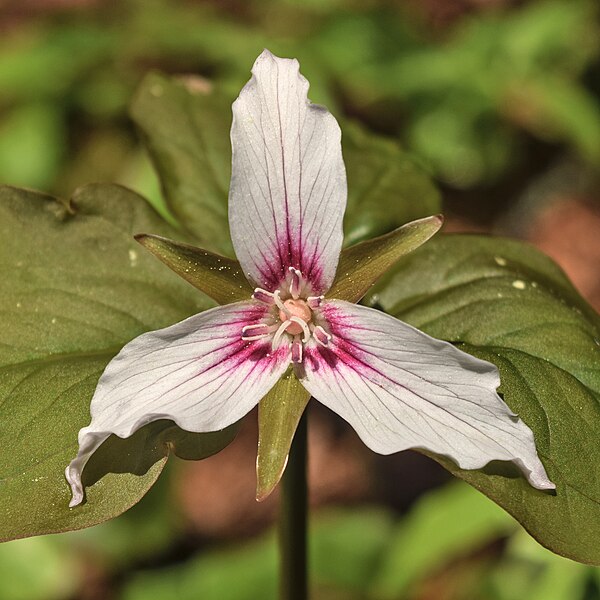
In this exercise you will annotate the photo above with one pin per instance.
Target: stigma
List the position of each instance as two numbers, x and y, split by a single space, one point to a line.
293 319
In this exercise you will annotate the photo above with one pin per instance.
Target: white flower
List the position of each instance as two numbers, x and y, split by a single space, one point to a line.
398 387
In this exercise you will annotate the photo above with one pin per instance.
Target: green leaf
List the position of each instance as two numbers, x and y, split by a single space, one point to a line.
507 303
363 264
445 524
219 277
386 188
279 413
185 124
76 287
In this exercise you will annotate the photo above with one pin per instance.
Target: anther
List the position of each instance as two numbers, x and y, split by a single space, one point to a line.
296 283
297 350
263 296
321 336
315 301
256 332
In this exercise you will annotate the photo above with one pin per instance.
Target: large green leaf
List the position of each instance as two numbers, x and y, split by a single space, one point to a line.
75 288
185 124
507 303
386 189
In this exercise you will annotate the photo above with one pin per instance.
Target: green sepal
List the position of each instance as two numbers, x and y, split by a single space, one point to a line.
279 413
361 265
219 277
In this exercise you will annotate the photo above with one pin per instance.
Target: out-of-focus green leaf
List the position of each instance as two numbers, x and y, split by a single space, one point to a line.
556 109
279 413
529 571
344 547
362 265
245 573
386 189
443 525
40 568
218 277
76 287
507 303
31 145
46 63
185 124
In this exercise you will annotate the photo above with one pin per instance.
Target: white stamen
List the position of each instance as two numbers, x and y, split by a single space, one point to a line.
304 326
321 336
280 305
296 283
297 350
314 301
278 334
263 296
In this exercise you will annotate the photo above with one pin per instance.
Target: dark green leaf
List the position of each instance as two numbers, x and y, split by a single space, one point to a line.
507 303
76 287
279 413
386 189
362 265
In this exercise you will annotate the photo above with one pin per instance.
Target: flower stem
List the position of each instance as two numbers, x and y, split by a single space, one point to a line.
293 573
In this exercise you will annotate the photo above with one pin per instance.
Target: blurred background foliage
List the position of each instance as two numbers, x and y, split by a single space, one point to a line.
499 100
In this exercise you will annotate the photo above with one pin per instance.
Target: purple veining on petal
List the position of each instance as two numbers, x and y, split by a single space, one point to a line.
400 388
288 187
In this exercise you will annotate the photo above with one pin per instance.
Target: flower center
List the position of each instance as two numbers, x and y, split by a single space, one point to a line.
295 308
290 321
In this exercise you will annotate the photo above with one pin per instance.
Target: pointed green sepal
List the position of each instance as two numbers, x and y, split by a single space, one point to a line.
278 415
218 277
362 265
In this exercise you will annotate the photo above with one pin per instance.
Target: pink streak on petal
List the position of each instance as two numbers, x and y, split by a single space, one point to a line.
400 388
288 186
198 373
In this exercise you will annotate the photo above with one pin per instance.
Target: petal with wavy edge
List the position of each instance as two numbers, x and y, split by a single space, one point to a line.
288 183
198 373
400 388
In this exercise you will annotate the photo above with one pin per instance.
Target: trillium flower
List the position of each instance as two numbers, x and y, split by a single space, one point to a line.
396 386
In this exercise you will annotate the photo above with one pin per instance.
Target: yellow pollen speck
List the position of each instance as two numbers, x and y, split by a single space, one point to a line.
519 284
500 261
133 257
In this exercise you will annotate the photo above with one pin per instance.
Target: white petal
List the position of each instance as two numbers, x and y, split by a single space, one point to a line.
400 388
288 183
198 373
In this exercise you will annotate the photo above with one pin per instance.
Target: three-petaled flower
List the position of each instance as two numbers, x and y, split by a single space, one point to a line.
398 387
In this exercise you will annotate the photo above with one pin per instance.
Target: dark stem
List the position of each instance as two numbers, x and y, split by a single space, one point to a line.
293 571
